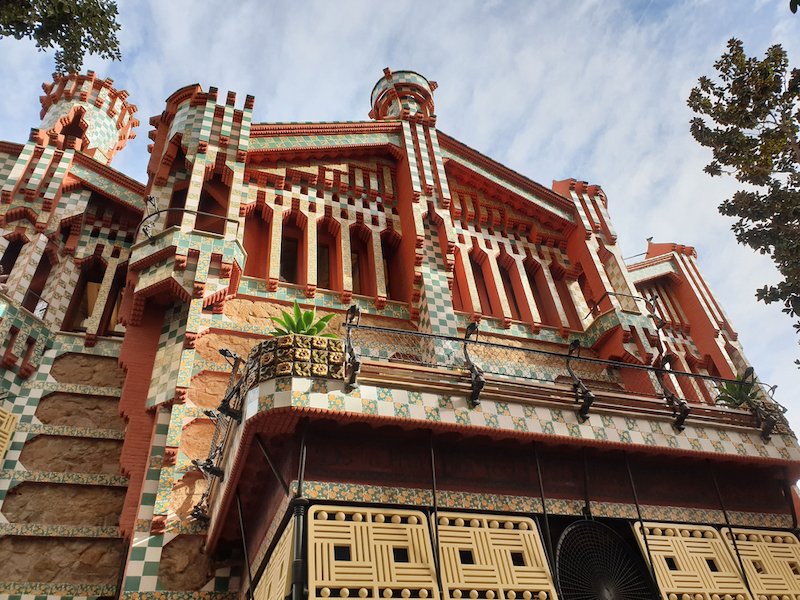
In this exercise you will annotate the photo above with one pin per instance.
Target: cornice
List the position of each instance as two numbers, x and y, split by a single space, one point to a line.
537 189
338 127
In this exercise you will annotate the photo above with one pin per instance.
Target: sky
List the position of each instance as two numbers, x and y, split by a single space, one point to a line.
590 89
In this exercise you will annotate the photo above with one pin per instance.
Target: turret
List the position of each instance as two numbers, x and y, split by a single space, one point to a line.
87 114
403 95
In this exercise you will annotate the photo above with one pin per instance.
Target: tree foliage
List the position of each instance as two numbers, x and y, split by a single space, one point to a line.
74 27
750 118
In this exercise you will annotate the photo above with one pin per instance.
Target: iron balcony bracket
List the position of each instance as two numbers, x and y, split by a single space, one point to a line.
680 407
477 378
768 416
208 468
583 394
352 319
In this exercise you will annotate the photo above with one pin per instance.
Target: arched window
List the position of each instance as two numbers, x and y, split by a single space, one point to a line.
548 313
508 288
362 260
213 205
177 202
480 285
461 299
110 324
567 303
293 249
393 267
257 242
11 255
329 267
33 300
83 302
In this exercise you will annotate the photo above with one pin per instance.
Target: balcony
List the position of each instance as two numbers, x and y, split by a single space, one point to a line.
484 387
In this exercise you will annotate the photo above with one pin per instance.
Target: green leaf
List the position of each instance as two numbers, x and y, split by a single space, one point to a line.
320 325
288 321
308 319
298 315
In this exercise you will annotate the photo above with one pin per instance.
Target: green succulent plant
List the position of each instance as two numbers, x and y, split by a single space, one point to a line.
734 394
301 322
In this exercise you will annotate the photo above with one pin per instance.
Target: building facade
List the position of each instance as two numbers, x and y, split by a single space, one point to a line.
507 409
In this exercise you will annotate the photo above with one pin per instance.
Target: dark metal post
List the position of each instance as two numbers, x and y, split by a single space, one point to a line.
271 464
244 547
548 540
641 521
787 492
436 553
587 505
299 505
730 529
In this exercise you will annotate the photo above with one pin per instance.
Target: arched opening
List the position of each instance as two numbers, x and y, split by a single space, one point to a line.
257 241
84 300
110 324
461 298
567 303
329 267
74 129
213 206
11 255
33 300
362 260
508 288
548 313
480 284
293 249
177 202
392 267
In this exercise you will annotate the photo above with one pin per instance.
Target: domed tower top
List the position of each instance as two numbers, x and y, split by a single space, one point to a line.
86 113
403 95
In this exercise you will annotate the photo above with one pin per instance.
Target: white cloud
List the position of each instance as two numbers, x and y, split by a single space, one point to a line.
593 90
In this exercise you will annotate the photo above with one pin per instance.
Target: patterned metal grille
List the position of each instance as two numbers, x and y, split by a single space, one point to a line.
276 582
369 553
594 563
771 560
693 560
492 556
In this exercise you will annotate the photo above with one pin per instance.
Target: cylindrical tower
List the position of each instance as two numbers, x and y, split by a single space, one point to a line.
87 114
403 95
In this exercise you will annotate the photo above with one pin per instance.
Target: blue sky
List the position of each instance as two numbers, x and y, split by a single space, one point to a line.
592 89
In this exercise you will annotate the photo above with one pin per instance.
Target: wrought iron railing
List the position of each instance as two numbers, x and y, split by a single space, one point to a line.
587 375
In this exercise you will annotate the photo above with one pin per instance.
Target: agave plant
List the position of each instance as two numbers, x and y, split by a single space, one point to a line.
736 393
301 322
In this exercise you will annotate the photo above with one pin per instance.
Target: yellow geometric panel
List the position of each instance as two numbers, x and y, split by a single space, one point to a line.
276 582
493 557
692 562
369 553
771 560
8 424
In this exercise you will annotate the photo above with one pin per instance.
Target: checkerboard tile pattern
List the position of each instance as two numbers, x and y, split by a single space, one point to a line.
512 416
168 356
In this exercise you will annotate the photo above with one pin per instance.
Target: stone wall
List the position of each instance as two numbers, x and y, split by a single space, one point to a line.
71 455
93 561
53 504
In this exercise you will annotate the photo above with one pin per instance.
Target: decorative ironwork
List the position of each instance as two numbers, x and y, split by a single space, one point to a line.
299 355
524 360
477 379
582 393
680 407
